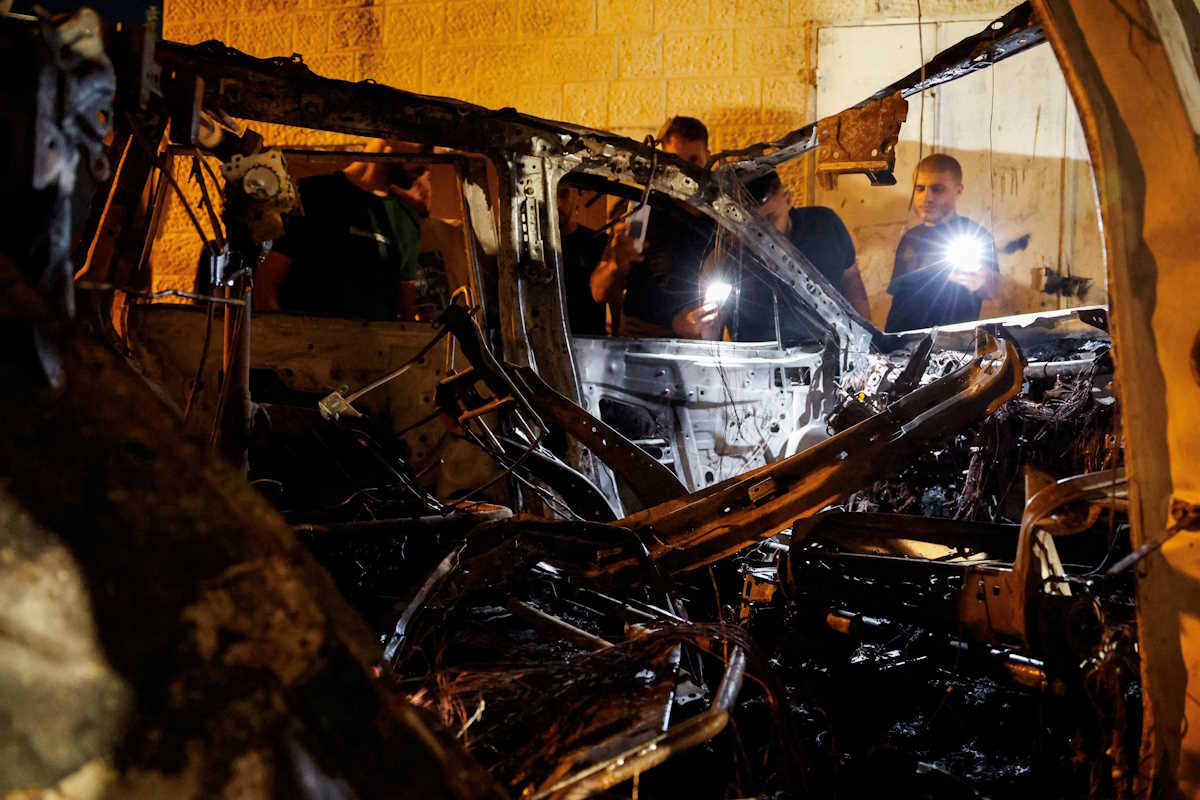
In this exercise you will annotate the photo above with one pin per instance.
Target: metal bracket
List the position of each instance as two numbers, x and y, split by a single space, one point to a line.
861 140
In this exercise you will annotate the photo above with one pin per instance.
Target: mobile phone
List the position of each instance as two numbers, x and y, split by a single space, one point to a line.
638 221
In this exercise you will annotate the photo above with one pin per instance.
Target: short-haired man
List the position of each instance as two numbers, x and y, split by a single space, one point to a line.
653 293
945 266
817 232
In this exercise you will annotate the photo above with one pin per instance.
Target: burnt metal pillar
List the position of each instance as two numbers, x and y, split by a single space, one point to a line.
1130 69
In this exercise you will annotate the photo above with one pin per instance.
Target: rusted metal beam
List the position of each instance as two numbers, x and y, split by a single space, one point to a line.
861 140
706 526
884 531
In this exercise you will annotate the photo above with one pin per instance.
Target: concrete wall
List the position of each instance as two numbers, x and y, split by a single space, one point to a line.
1025 163
746 67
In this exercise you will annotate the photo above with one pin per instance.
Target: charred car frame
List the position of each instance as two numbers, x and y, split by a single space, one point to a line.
601 522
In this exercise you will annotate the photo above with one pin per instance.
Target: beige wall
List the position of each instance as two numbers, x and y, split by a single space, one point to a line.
1017 135
746 67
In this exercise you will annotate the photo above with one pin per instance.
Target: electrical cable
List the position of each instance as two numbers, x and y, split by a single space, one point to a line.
205 201
209 244
991 143
235 342
90 286
366 492
504 474
652 143
402 479
560 506
729 404
195 386
422 421
208 168
921 124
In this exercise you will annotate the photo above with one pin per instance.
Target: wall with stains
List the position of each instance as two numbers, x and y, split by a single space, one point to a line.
748 68
1026 171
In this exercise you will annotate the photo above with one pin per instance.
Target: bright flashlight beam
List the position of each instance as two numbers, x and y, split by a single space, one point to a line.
717 292
964 253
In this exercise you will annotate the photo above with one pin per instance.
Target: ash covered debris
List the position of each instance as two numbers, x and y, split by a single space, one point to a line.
550 646
1064 422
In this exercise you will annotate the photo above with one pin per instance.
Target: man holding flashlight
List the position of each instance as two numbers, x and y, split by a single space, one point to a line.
816 232
945 266
651 284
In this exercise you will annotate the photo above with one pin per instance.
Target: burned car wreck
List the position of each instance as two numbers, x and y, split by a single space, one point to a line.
473 554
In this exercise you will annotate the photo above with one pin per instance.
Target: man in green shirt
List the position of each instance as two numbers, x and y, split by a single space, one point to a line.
353 253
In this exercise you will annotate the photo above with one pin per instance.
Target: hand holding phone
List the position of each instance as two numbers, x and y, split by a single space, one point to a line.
638 221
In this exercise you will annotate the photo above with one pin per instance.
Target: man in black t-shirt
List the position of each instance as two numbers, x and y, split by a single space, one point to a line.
354 250
817 232
945 266
663 287
655 292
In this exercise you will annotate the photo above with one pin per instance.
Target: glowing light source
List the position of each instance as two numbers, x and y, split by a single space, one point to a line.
717 292
965 253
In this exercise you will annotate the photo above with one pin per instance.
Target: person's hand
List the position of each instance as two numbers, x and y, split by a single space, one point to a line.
973 281
409 294
607 281
624 248
697 322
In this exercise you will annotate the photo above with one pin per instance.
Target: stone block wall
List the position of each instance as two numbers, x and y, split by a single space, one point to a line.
745 67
